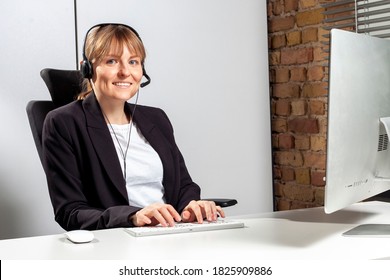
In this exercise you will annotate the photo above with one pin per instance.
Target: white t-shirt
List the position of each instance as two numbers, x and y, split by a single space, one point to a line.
144 170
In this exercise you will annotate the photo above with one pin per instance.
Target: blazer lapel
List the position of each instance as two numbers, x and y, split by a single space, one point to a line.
102 143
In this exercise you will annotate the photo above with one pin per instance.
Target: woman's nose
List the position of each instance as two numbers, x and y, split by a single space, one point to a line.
124 70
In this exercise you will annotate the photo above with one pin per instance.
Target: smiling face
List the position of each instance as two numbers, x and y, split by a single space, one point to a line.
117 75
117 55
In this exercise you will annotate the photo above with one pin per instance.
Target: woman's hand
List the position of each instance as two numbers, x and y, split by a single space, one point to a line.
200 210
154 214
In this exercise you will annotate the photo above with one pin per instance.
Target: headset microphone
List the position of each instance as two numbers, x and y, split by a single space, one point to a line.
86 67
148 80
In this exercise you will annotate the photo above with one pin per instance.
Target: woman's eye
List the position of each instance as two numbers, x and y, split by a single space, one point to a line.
111 61
134 62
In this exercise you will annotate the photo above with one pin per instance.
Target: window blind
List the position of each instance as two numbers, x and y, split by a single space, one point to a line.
371 17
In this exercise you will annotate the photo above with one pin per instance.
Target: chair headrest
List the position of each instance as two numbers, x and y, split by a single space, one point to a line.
63 85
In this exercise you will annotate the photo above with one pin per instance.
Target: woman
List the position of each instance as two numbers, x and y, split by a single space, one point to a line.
110 163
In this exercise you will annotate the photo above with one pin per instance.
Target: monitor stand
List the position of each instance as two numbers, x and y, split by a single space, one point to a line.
369 230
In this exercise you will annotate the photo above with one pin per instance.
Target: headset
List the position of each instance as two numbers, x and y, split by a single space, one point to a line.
86 68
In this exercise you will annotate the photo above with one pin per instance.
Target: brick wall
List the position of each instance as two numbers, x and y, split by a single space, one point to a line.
298 77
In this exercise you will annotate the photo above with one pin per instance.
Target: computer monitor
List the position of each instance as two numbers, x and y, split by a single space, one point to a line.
358 156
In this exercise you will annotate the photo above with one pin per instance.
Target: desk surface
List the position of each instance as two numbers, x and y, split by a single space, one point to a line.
296 234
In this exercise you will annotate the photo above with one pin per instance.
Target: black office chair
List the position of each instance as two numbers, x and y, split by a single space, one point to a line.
64 86
36 112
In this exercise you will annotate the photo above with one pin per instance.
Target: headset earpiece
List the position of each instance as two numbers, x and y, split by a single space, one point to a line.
86 69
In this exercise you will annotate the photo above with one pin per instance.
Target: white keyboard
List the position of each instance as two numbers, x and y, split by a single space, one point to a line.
184 227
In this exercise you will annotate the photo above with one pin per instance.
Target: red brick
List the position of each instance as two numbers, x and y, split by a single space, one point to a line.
296 56
277 172
302 176
310 17
303 125
286 141
319 54
274 58
283 205
281 24
282 75
315 73
302 142
317 143
299 193
278 41
314 160
288 158
287 174
282 107
293 38
311 90
309 35
317 107
275 141
317 178
298 108
278 189
277 8
298 74
279 125
272 76
269 9
309 3
319 196
290 5
323 124
286 90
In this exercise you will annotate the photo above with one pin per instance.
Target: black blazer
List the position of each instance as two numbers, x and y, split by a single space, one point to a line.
84 176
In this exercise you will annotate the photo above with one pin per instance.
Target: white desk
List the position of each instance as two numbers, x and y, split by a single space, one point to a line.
289 235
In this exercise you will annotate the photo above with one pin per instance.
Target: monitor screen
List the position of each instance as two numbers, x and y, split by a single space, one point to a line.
358 156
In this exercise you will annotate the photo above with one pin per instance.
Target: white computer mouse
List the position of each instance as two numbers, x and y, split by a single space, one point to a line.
79 236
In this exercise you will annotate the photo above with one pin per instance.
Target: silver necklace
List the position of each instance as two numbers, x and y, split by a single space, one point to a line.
124 153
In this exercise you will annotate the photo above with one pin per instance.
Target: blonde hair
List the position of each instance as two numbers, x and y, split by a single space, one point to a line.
98 44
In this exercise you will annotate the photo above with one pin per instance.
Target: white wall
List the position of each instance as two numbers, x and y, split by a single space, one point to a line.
34 35
209 68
